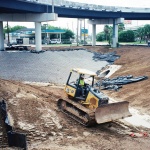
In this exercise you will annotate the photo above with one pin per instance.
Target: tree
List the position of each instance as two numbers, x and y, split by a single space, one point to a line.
126 36
68 35
140 33
105 35
7 29
147 32
108 32
100 36
13 29
49 27
143 33
121 27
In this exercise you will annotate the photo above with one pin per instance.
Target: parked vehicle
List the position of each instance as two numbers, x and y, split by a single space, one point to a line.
13 42
55 41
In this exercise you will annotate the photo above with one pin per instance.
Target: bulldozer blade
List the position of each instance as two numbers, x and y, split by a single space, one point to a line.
111 112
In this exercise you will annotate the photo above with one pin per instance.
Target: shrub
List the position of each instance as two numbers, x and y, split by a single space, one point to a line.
126 36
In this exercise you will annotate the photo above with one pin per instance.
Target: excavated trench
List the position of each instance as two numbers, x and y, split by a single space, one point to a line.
45 67
50 66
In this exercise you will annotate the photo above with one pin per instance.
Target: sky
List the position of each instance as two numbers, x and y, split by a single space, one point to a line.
72 23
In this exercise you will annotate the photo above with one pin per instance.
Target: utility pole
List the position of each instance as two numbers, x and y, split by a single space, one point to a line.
80 30
77 31
8 34
84 31
45 25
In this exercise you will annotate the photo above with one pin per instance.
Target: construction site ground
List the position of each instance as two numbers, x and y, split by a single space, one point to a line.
32 109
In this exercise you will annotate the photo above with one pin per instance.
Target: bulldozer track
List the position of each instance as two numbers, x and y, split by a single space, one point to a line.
77 112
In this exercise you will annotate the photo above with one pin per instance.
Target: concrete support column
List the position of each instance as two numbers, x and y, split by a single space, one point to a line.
113 37
38 36
115 30
115 34
93 34
1 36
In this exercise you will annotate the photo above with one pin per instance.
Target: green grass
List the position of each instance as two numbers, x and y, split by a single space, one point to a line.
137 42
75 44
142 42
57 45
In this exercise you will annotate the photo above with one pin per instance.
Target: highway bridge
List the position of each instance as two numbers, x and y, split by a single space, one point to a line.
42 10
74 10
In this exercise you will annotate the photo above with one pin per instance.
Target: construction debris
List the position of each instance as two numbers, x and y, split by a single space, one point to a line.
117 82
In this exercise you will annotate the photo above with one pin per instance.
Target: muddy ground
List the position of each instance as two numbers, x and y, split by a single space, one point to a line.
32 110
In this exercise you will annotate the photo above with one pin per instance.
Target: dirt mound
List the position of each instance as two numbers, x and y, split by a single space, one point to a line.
135 61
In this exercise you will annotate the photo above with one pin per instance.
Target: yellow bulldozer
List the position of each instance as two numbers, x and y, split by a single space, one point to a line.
87 104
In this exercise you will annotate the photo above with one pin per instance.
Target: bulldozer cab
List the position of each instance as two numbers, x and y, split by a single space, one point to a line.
79 82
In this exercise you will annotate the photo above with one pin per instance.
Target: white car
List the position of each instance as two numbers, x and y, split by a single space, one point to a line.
55 41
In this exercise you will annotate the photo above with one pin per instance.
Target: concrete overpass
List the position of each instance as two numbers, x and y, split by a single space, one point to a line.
41 10
73 10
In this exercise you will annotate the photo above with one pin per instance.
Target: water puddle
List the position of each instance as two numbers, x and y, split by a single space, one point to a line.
138 120
16 51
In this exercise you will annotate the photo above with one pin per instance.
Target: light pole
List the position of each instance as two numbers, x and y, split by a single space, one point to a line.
84 31
45 25
80 30
8 34
77 31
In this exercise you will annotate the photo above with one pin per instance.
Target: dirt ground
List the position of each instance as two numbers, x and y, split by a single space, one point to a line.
32 110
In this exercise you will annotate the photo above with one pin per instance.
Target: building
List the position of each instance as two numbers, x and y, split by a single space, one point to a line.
27 36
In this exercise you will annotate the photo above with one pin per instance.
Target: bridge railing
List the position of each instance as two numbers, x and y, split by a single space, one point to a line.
46 2
76 5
